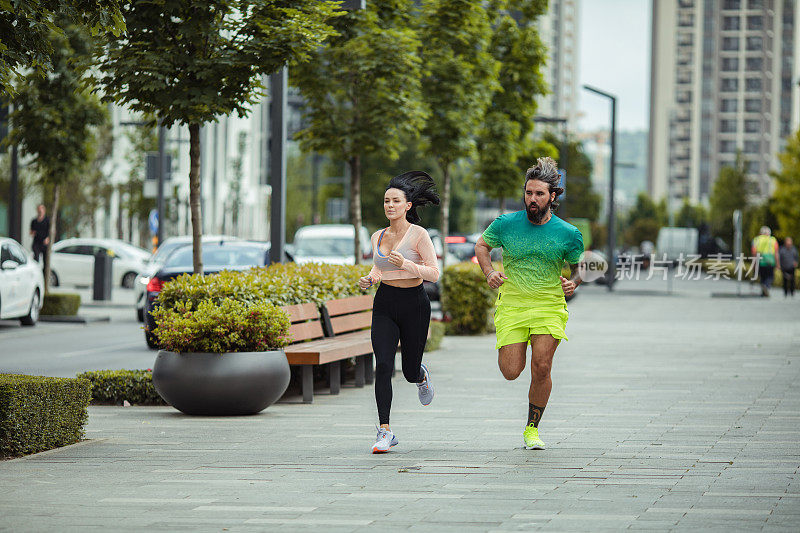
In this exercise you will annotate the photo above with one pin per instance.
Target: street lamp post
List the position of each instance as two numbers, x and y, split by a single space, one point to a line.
612 238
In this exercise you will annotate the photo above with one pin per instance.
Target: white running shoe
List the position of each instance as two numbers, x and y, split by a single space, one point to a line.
425 389
386 439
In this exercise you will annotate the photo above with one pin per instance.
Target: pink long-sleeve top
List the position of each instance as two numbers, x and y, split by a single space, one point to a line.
417 250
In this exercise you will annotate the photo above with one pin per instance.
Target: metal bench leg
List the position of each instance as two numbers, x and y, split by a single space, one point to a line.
361 362
308 383
369 369
334 376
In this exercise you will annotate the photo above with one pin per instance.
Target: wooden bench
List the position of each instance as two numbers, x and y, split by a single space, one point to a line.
337 333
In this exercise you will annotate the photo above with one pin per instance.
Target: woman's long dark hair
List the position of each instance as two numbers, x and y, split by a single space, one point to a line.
419 189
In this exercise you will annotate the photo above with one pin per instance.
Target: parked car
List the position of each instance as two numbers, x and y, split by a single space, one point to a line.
156 261
329 243
21 283
72 261
218 256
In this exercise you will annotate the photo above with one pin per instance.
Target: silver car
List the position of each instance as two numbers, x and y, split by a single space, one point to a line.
329 243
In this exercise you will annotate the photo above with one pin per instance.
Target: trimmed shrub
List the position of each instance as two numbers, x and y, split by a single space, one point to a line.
220 327
437 334
40 413
112 387
467 299
64 304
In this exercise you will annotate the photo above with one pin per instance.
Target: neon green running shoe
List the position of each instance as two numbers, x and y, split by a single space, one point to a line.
531 438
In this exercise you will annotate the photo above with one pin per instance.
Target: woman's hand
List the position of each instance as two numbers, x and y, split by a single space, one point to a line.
365 282
396 258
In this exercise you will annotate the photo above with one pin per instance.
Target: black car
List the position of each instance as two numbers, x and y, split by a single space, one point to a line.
226 255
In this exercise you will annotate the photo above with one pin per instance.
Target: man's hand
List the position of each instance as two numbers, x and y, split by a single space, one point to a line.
365 283
568 286
396 258
495 279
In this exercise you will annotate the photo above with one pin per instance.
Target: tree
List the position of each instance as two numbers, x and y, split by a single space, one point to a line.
54 118
786 198
643 221
580 199
190 62
728 194
362 92
460 80
27 25
508 122
691 216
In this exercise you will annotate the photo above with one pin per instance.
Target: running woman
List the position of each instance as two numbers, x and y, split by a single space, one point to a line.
531 306
404 257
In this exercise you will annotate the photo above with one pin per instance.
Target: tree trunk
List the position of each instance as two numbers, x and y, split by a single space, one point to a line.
194 198
502 205
355 204
445 210
51 236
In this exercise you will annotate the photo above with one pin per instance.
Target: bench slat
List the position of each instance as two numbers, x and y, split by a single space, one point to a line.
349 305
303 331
324 351
346 323
301 312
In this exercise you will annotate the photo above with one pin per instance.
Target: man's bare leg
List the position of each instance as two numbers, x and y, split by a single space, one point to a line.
511 359
543 347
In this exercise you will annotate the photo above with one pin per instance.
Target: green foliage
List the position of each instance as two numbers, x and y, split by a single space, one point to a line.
643 221
691 216
467 299
580 199
39 413
221 327
786 198
26 27
112 387
437 334
60 304
728 194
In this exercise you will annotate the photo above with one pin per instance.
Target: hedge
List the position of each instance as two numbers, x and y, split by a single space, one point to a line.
40 413
64 304
437 333
113 387
467 299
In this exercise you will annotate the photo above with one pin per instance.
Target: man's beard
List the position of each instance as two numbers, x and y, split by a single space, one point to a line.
537 215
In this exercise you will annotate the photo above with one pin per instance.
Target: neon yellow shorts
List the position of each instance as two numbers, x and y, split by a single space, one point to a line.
517 324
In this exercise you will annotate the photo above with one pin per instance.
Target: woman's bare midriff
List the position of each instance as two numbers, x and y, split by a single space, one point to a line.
403 283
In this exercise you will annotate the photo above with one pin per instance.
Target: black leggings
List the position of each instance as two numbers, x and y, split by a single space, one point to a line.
398 314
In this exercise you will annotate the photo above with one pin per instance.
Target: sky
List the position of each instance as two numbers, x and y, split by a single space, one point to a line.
615 57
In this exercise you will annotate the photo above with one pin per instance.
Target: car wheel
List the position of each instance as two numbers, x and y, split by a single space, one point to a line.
33 313
152 341
53 279
140 314
128 279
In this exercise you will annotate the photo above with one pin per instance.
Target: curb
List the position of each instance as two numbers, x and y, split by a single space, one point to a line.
76 319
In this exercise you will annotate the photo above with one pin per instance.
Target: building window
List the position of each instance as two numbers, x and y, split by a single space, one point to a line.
755 4
752 105
753 84
683 97
685 38
730 43
755 22
752 147
730 23
728 105
730 64
752 126
753 166
685 19
754 63
727 126
755 44
732 4
686 3
730 84
727 147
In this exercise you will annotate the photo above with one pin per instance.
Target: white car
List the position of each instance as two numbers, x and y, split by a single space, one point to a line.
72 261
329 243
156 261
21 283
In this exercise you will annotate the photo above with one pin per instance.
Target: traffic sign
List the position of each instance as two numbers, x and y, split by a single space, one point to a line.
152 221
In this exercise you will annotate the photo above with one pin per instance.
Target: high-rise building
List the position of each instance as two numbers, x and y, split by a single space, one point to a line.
722 76
558 29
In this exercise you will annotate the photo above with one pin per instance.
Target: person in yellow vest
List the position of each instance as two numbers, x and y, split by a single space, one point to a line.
766 247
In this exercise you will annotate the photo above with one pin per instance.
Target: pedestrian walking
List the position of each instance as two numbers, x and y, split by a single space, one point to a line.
531 306
765 246
788 258
404 256
40 231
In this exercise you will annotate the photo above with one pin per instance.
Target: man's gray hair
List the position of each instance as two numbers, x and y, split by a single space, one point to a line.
546 170
765 230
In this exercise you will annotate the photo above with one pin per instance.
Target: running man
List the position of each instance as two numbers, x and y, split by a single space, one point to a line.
531 306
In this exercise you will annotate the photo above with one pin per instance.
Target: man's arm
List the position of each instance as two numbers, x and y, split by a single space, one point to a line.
483 254
777 256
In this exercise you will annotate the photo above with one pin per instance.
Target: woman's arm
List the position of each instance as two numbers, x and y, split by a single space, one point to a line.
429 269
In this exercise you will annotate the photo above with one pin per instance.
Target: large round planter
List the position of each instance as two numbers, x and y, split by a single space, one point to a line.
242 383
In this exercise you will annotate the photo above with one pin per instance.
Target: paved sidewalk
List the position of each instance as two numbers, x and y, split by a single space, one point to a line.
668 413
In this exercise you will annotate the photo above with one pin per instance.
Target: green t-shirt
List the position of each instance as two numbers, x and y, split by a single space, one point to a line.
533 256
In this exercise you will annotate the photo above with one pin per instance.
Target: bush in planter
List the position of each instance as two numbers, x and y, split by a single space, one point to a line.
61 304
112 387
220 327
39 413
437 333
467 299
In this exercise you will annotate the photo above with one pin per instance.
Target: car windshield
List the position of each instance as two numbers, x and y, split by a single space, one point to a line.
324 246
219 256
163 251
